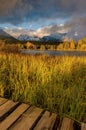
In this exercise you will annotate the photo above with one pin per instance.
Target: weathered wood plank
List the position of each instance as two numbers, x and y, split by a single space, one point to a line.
5 124
67 124
23 117
28 119
6 107
83 126
2 101
46 122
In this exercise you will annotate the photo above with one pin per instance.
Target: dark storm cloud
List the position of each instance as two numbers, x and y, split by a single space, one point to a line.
77 23
18 11
14 11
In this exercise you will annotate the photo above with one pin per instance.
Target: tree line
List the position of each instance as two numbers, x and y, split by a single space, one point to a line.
66 45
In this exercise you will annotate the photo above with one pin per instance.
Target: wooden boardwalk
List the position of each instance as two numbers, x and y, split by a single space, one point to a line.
15 116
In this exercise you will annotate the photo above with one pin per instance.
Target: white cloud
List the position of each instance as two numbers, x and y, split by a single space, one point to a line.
5 27
43 31
76 34
20 28
61 25
52 29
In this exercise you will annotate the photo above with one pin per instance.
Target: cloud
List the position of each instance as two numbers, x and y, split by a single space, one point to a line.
76 34
70 27
14 11
18 31
20 28
44 31
52 29
40 12
18 11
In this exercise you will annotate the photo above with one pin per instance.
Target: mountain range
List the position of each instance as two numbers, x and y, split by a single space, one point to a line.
53 38
4 34
25 37
7 37
57 37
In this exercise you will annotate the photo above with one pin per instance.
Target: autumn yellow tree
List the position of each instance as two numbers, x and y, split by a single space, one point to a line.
82 44
72 44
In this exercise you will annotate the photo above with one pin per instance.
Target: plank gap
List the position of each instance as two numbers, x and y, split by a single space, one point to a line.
7 112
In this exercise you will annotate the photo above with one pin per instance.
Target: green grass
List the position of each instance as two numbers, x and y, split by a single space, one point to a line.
57 84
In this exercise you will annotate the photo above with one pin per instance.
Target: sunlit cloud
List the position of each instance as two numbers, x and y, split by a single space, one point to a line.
38 17
76 34
61 25
43 31
20 28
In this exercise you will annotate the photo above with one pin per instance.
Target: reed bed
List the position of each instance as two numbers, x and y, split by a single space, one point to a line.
57 84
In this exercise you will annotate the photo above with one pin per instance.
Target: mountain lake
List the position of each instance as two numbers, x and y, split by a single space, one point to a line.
54 52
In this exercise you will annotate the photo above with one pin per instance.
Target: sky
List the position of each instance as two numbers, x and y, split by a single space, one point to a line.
43 17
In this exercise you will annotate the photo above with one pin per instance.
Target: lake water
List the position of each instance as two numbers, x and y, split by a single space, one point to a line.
54 52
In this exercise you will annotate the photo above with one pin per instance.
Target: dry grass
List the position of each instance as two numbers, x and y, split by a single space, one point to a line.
55 83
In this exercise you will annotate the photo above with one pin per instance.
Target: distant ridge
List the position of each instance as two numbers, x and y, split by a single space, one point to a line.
51 38
6 37
25 37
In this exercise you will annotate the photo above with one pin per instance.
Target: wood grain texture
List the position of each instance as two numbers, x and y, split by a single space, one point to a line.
4 125
2 101
67 124
7 107
16 116
83 126
46 122
28 119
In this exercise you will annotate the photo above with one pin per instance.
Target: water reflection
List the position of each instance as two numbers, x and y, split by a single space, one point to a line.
55 52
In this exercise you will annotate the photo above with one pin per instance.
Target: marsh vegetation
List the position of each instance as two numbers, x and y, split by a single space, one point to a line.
54 83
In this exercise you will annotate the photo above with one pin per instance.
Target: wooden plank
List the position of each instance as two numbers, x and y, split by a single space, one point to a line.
83 126
5 124
46 122
7 107
2 101
28 119
67 124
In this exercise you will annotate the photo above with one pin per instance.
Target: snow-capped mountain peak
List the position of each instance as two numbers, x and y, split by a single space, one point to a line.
25 37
